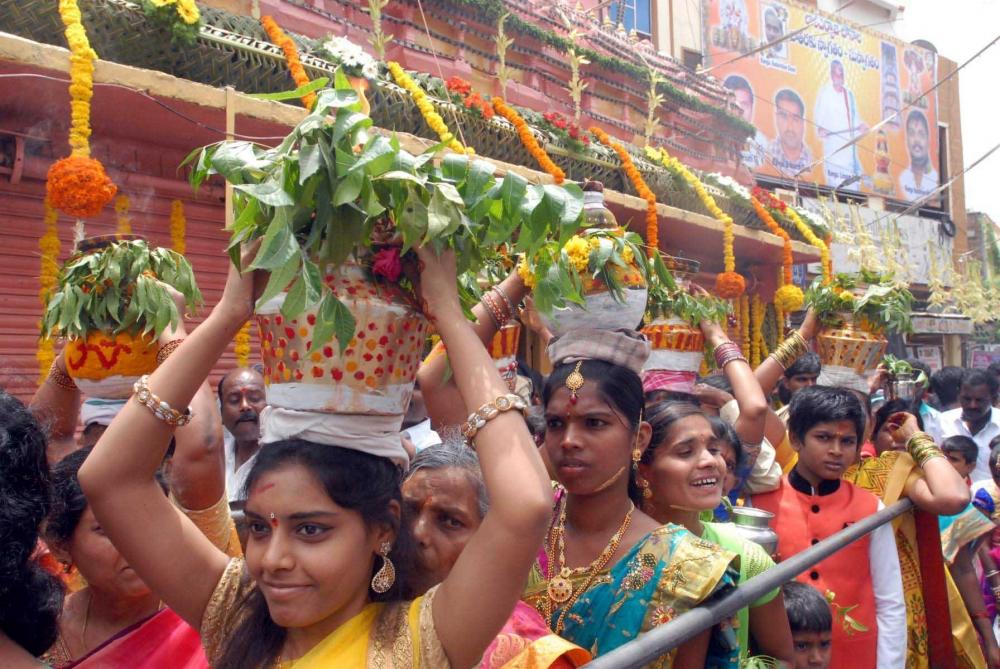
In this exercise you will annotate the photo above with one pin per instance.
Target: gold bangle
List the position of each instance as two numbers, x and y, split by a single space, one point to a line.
790 350
478 419
61 378
922 448
166 350
160 409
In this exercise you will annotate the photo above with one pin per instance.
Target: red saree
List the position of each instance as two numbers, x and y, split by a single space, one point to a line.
162 641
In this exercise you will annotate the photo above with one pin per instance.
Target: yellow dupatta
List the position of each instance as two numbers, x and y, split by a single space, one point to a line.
890 476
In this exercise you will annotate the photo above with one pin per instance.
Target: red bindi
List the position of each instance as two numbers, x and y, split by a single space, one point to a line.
274 520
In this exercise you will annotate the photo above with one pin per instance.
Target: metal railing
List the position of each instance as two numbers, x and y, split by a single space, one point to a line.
654 643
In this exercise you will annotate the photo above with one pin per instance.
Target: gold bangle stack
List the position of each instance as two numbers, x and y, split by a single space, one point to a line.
478 419
790 350
61 378
922 448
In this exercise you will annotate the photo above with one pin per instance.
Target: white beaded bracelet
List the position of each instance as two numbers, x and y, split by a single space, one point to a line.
160 409
478 419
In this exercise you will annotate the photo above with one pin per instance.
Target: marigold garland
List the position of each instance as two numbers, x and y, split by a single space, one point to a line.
779 311
729 284
178 226
49 246
788 297
287 46
241 346
769 200
78 185
745 325
426 108
122 205
758 347
528 139
652 220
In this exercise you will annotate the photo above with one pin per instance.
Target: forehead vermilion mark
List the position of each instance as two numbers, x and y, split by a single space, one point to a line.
265 487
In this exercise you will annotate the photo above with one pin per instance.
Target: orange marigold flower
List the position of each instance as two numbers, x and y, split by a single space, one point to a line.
729 285
79 186
652 221
528 139
287 46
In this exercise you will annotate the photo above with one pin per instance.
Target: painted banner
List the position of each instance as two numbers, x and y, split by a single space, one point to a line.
825 85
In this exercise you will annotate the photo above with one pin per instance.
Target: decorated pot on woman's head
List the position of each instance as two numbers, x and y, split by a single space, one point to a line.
849 353
603 308
111 302
677 352
362 389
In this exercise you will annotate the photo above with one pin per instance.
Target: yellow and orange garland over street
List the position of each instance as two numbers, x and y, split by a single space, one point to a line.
528 139
287 46
78 185
431 116
652 222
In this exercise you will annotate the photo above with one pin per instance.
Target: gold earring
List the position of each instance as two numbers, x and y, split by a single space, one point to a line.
386 576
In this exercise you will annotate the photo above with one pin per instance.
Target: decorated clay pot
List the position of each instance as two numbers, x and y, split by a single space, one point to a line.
850 346
503 350
603 310
374 375
677 351
106 366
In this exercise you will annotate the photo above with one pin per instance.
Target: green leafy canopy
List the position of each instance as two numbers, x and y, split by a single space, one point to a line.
316 199
119 289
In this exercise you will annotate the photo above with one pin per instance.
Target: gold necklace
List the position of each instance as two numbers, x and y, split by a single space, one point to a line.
560 588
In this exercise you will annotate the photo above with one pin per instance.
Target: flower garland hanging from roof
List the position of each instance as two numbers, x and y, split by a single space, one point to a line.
287 46
788 297
528 139
652 220
178 226
78 185
49 247
124 221
729 284
426 108
769 200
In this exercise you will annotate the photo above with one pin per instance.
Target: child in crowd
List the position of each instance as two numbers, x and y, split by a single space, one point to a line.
812 625
826 426
961 452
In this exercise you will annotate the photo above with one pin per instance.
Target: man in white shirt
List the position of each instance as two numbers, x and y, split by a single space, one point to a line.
975 418
920 178
242 398
837 123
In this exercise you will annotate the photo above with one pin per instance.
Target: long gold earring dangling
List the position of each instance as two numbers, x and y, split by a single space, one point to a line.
386 576
636 457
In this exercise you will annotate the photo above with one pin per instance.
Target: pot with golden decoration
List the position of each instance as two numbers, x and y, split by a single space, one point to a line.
850 345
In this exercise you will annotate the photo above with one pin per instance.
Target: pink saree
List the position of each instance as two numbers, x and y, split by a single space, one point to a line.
526 642
162 641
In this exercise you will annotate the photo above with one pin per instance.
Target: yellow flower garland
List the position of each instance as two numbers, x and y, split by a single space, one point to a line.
81 74
729 284
241 346
758 347
426 108
806 231
122 205
178 224
49 246
745 325
779 311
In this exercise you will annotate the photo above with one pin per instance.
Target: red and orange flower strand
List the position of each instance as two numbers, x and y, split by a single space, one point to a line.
285 43
652 222
528 139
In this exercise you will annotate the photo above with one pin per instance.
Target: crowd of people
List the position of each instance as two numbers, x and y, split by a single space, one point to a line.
538 523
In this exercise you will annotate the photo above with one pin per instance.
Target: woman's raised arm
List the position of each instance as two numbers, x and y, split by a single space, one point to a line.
482 589
165 548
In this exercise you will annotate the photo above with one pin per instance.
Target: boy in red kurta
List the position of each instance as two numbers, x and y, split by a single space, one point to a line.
862 580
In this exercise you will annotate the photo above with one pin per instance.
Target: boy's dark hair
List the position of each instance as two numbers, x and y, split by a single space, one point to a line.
946 383
962 445
807 609
823 404
981 377
806 364
723 430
